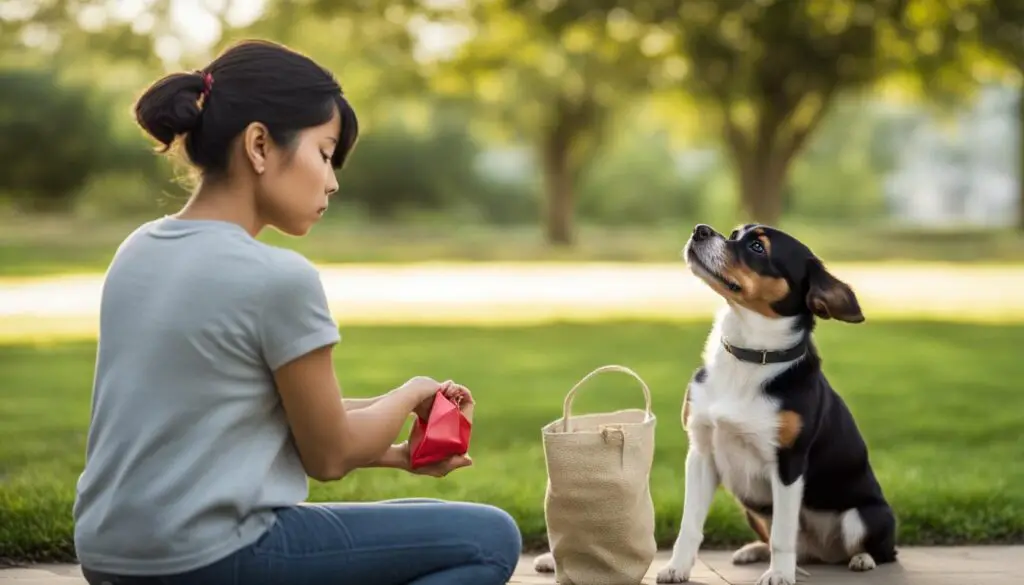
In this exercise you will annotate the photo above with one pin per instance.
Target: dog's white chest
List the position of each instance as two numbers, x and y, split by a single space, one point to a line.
738 426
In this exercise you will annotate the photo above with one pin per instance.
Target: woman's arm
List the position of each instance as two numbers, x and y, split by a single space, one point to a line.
357 403
333 440
396 457
296 336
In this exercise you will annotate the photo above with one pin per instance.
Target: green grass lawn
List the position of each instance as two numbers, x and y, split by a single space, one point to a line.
35 246
939 404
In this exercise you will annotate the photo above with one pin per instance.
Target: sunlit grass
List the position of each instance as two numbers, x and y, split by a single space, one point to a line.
935 400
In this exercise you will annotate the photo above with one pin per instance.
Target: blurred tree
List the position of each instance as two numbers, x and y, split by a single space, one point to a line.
39 113
394 169
768 69
1001 30
550 83
371 51
639 179
841 173
69 71
555 83
965 44
72 30
403 163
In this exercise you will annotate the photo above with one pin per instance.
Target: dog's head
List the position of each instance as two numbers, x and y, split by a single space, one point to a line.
770 272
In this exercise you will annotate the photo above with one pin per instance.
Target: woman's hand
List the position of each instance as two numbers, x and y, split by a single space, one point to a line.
461 396
445 467
423 388
457 393
399 457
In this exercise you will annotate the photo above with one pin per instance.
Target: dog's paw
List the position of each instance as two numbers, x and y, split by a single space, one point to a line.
545 563
862 562
776 577
754 552
671 573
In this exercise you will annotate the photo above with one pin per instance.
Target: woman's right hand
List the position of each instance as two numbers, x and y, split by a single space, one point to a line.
424 388
455 392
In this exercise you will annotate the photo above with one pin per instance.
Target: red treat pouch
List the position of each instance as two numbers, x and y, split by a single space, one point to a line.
445 433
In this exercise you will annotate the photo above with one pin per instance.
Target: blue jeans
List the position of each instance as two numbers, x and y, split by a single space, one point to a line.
397 542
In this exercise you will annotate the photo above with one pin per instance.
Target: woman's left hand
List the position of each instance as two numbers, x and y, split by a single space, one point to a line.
445 467
399 456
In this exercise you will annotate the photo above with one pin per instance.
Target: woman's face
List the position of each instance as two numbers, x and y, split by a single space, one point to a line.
297 181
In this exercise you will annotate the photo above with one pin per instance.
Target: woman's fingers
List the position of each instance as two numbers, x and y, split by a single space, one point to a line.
447 466
459 394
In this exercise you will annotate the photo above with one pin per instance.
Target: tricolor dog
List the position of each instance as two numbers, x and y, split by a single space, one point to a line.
764 422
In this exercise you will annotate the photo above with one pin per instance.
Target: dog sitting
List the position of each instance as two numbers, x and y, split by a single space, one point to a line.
764 422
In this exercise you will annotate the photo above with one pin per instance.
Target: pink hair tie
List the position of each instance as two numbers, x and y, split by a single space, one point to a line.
207 84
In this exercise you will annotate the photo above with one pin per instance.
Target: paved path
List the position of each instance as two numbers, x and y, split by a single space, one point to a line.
445 293
917 566
996 565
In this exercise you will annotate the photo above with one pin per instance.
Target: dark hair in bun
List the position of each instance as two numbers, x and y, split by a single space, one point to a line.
251 81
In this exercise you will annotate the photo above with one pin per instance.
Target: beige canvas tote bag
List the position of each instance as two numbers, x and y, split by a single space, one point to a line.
598 506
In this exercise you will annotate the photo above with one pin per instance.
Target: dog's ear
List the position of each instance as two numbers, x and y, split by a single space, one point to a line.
830 298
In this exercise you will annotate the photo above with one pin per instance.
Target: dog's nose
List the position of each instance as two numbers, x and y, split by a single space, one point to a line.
702 232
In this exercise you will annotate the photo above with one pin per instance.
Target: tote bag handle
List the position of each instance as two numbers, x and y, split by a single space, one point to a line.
567 405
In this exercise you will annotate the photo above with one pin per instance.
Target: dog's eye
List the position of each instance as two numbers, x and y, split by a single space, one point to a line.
756 246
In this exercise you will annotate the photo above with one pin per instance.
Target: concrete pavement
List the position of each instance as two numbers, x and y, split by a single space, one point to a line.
976 565
983 565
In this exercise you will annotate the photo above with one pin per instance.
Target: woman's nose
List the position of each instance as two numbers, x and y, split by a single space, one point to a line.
332 184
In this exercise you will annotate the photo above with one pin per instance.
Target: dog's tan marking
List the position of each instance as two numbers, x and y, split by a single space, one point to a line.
766 242
757 292
790 425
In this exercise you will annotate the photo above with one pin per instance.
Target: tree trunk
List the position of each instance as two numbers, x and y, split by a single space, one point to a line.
559 188
761 186
573 135
1020 156
568 124
764 155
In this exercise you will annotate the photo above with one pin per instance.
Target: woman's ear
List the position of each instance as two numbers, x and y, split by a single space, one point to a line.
255 142
830 298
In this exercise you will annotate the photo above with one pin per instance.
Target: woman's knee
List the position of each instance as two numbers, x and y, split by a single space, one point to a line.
414 501
497 533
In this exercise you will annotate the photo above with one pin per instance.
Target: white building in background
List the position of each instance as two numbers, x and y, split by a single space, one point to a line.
961 172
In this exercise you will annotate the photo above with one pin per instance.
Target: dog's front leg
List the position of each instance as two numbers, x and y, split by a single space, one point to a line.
787 497
701 483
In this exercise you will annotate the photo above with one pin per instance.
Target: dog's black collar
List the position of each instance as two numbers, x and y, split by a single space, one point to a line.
764 356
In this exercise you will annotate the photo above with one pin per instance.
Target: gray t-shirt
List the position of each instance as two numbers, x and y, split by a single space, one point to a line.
189 450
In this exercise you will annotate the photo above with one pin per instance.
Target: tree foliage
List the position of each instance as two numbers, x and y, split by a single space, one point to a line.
769 70
71 30
37 113
551 84
1001 30
556 75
